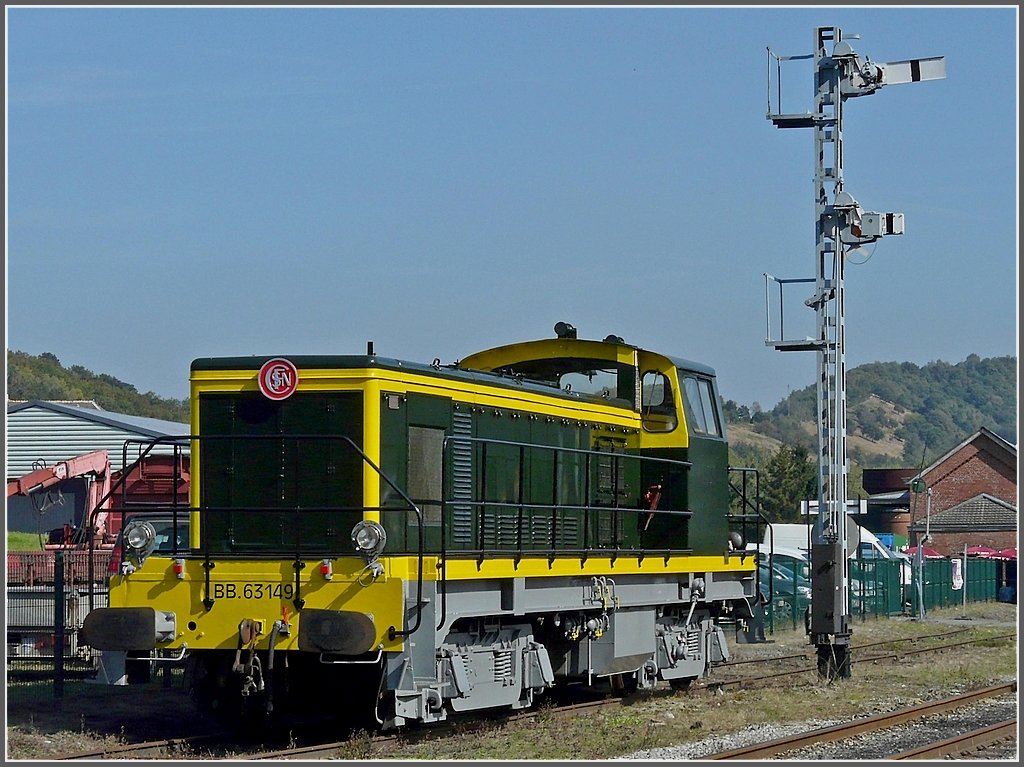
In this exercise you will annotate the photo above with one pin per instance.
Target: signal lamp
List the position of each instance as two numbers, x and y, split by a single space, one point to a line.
369 539
139 539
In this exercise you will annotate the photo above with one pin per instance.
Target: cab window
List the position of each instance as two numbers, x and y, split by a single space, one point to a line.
701 413
658 408
602 383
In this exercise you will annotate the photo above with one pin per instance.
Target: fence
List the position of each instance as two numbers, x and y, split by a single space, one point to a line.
933 586
48 597
880 588
791 597
877 588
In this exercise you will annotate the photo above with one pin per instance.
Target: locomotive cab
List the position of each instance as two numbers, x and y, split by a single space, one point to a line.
679 413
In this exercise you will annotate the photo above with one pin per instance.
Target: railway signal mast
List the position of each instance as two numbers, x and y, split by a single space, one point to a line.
840 226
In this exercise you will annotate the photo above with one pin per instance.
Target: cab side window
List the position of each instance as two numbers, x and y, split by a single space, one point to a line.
658 409
701 413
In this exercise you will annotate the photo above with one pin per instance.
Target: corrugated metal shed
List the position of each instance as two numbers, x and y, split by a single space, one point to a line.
50 432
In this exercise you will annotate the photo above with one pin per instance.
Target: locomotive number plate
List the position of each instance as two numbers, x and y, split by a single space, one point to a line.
252 590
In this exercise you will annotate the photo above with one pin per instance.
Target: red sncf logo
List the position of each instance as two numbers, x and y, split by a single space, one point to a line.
278 379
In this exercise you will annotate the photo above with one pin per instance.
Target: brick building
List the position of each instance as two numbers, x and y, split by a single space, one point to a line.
976 482
979 521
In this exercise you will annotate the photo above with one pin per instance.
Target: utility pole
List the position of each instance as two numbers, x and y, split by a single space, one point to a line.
840 226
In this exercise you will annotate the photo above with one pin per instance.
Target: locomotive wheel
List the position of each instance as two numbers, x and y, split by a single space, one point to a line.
216 690
682 684
624 684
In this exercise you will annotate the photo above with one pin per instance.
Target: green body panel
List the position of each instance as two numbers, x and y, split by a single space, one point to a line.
293 481
403 416
527 495
702 489
533 493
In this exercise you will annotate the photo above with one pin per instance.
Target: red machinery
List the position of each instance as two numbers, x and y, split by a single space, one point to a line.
155 480
96 463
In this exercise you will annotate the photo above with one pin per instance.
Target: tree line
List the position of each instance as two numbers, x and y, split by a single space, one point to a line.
43 377
931 408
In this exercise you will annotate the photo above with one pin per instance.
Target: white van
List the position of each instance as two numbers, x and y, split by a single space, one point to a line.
861 543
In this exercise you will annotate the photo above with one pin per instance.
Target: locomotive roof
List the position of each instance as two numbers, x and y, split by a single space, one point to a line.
524 351
363 362
567 348
471 368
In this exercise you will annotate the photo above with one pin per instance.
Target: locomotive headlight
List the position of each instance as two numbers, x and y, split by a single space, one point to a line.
139 539
369 539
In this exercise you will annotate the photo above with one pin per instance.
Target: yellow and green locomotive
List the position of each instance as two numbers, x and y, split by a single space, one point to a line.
406 540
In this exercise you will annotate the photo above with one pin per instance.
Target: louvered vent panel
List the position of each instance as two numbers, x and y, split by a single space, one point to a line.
568 533
462 478
500 529
540 532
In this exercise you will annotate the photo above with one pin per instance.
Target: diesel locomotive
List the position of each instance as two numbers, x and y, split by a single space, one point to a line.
398 541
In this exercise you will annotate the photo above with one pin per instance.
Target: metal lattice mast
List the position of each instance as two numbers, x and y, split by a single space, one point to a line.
829 295
840 225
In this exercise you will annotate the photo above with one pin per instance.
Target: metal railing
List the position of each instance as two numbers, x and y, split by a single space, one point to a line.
299 550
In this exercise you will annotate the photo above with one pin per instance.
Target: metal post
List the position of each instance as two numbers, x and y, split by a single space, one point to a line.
919 563
964 575
928 519
59 607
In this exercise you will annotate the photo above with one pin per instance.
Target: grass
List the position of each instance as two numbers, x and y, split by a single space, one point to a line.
24 542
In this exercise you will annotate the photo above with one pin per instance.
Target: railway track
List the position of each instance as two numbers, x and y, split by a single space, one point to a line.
966 744
189 746
895 655
440 731
806 654
880 722
167 748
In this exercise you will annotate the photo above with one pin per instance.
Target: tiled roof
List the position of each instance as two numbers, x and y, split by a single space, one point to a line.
982 512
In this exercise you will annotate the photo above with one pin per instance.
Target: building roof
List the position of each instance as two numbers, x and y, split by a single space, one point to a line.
147 427
982 432
899 499
89 403
982 512
888 480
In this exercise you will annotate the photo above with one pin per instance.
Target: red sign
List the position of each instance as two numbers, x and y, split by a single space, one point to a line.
278 379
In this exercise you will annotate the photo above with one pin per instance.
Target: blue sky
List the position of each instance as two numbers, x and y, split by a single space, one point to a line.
190 182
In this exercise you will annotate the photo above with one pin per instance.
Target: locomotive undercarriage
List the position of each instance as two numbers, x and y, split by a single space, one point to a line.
499 644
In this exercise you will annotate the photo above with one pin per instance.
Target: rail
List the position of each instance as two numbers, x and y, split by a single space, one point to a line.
860 726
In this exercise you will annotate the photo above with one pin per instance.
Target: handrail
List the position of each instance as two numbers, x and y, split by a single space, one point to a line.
180 440
758 516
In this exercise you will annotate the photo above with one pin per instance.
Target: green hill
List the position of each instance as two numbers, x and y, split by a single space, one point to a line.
43 377
898 413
